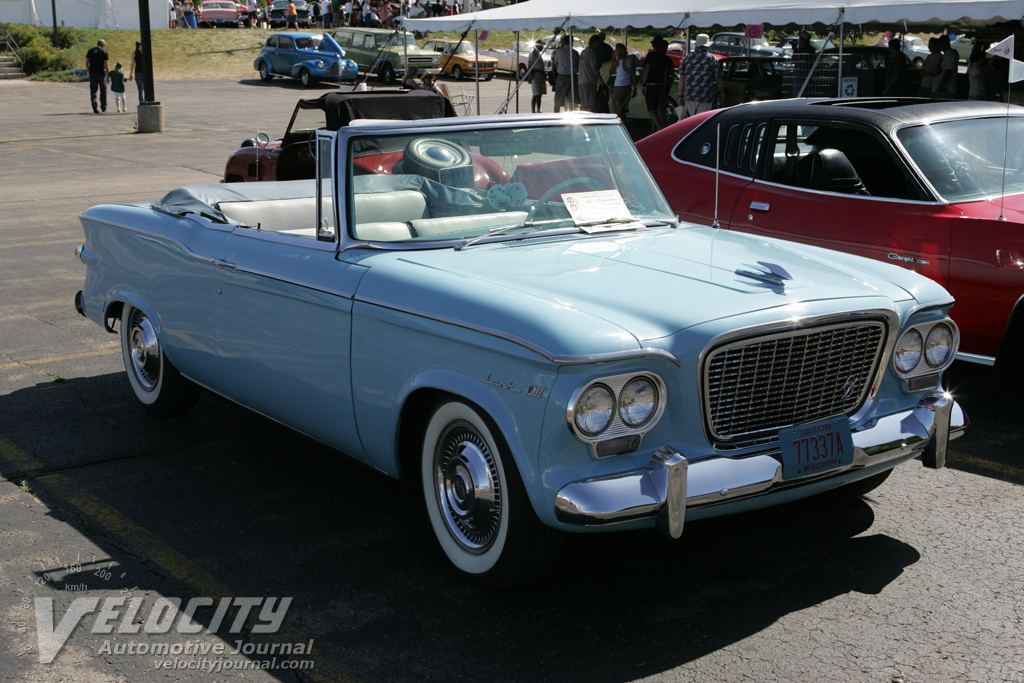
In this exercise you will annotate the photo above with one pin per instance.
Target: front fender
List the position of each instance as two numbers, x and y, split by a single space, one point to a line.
490 399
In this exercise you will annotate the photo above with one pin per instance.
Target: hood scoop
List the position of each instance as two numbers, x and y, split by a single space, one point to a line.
771 274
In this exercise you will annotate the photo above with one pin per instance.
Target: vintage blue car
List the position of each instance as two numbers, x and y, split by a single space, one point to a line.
308 57
506 309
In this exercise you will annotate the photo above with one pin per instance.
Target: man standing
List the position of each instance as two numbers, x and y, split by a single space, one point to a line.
947 85
896 70
803 57
589 74
96 62
700 79
293 16
655 81
566 62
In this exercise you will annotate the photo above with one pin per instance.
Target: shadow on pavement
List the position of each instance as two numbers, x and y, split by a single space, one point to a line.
259 510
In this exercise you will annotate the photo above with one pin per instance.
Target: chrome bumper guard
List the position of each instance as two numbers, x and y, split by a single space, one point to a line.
670 483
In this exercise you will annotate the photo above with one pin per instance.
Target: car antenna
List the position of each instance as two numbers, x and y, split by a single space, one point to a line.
718 140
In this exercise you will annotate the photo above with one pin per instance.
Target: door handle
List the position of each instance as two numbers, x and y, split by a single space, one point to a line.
222 262
760 206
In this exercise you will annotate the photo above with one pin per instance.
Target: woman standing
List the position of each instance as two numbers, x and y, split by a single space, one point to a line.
537 77
137 72
624 85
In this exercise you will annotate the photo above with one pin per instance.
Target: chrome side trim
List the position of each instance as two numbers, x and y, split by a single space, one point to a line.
656 490
218 262
526 344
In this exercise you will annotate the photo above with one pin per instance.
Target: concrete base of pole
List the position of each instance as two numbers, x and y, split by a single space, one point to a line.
151 117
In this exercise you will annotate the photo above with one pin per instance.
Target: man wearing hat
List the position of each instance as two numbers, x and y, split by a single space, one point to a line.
701 86
96 61
803 55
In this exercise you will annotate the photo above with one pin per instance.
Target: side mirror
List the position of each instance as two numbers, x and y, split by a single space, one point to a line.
262 139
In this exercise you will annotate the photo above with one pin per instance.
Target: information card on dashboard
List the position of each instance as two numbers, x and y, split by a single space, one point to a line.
590 210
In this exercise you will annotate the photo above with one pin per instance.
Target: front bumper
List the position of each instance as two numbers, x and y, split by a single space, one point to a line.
670 483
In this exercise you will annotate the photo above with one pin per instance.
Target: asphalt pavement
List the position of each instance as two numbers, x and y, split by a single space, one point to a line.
921 581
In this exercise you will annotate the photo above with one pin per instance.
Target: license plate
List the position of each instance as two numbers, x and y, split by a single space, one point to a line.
815 448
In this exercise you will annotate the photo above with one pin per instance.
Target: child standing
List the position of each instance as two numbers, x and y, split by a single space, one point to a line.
116 79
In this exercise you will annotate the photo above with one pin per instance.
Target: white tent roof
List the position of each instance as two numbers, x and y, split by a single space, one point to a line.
536 15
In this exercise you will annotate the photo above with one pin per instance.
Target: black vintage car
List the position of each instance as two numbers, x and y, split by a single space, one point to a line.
277 14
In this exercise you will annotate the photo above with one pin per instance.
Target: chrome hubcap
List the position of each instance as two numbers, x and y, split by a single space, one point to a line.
145 351
468 488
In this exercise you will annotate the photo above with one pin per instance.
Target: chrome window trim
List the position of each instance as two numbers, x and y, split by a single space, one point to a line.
888 318
645 352
894 135
616 428
457 124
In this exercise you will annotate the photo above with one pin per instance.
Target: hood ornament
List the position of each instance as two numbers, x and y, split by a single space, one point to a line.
771 274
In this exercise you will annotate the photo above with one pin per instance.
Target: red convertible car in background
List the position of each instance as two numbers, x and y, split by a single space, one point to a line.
912 182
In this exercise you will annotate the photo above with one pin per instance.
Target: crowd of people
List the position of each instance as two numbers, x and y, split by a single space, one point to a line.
322 14
986 75
603 77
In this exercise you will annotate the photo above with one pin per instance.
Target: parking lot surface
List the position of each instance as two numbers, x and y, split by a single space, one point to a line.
921 581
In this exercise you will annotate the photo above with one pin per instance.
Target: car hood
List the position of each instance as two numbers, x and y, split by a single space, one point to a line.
601 294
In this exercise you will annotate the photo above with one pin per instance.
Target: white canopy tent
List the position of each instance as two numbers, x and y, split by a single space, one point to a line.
536 15
107 14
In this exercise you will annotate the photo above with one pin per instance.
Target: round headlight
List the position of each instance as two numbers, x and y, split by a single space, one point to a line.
908 351
595 409
938 346
319 63
637 401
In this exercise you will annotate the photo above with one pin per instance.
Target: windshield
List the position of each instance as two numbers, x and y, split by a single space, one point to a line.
963 159
461 185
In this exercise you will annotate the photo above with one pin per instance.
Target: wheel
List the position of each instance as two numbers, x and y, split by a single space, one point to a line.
522 71
668 111
305 78
387 74
428 157
477 504
457 73
488 77
265 72
156 382
918 62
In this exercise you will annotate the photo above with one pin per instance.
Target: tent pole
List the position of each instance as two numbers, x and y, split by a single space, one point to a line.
572 75
476 66
839 85
515 66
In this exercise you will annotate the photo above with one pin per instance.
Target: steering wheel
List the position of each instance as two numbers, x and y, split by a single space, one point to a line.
554 189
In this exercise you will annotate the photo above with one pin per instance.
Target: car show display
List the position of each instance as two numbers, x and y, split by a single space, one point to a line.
384 52
917 183
508 310
459 60
306 57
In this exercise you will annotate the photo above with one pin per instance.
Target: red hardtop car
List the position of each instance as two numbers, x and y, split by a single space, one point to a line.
914 182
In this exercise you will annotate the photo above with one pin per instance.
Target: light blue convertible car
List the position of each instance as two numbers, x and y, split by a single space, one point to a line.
307 57
506 309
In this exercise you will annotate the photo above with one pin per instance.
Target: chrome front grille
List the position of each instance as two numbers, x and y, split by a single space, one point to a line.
766 383
421 60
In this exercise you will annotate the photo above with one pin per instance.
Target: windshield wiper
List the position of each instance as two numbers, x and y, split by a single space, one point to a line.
502 229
